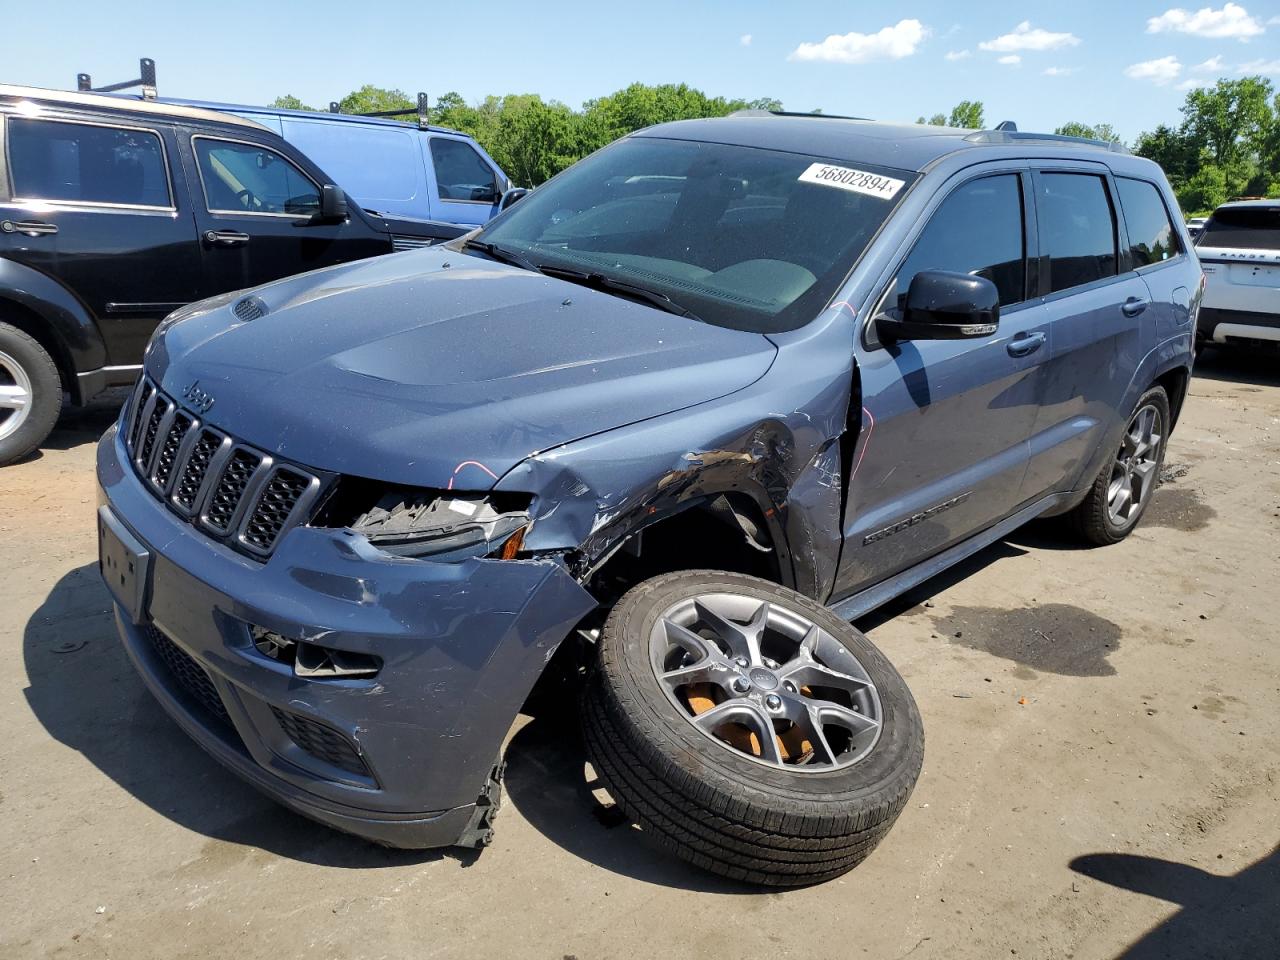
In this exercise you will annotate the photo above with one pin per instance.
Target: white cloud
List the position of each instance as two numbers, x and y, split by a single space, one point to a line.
1027 37
891 43
1010 60
1159 72
1190 84
957 55
1060 71
1212 65
745 39
1271 67
1232 20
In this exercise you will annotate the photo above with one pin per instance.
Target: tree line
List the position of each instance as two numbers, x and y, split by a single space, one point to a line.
1226 145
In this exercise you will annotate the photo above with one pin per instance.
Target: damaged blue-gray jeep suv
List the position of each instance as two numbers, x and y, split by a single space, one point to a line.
646 443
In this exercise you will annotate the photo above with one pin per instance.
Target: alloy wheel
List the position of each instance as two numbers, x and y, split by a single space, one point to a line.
1133 475
15 396
765 682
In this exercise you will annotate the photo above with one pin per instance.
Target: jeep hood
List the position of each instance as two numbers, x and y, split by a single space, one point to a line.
431 367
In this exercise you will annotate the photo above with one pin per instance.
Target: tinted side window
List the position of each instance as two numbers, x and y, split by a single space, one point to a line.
1151 235
247 178
1077 229
461 174
80 163
977 230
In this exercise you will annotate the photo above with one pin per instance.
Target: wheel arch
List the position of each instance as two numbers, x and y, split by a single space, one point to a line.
51 314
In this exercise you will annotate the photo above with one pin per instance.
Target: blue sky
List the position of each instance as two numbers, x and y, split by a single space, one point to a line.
1040 64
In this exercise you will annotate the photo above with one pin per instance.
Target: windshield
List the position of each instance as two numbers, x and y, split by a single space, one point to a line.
736 236
1246 228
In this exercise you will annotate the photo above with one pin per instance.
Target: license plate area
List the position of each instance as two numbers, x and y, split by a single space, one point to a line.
125 565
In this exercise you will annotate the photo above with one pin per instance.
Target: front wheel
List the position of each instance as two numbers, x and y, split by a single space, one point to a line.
1124 487
30 394
749 730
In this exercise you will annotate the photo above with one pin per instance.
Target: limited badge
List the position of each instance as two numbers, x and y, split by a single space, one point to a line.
856 181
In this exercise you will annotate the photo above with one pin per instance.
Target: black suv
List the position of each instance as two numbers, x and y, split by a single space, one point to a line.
115 211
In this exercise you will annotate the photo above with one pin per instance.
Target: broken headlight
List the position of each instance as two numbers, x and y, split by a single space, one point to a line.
441 524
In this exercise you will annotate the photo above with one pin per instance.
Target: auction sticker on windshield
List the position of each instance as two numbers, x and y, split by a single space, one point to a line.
858 181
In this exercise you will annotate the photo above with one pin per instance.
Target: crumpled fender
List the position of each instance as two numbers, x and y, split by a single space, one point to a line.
776 441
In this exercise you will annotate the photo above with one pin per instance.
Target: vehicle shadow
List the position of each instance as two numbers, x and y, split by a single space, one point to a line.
85 693
1237 365
1234 916
549 782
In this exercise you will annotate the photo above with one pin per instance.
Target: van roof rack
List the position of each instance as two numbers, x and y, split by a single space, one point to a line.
146 80
753 112
422 111
1008 133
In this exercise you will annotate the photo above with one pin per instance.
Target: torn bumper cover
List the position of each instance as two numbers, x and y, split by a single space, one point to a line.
400 756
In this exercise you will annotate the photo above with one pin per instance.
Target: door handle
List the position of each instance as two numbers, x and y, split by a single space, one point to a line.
1025 344
31 228
1133 306
226 238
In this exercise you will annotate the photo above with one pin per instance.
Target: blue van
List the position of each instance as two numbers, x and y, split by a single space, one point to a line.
388 166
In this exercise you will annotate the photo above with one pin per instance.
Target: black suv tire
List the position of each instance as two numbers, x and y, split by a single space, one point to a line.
1094 519
27 366
709 802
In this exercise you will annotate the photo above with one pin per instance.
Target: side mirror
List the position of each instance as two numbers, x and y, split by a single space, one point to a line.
512 197
944 306
333 204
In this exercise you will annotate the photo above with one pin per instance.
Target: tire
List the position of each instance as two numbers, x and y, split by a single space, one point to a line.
26 369
1094 519
710 802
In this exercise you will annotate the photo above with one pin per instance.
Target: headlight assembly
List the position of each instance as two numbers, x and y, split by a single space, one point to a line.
444 525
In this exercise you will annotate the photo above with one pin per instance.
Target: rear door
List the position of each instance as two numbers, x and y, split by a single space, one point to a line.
1155 251
1101 316
467 187
92 203
254 206
945 422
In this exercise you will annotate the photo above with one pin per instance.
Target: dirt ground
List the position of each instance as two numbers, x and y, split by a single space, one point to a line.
1102 771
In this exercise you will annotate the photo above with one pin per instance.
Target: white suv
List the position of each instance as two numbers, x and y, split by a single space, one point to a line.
1239 252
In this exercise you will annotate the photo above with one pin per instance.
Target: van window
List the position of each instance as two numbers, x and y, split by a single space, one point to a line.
248 178
461 173
83 163
1077 229
976 230
373 163
1151 234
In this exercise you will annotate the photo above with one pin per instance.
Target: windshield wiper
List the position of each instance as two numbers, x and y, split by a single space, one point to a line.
600 281
502 255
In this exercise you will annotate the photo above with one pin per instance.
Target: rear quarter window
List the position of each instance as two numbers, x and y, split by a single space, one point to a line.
1152 238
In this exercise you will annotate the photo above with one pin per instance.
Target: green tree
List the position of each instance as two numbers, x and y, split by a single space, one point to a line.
1205 190
370 99
1231 119
1101 131
967 115
289 102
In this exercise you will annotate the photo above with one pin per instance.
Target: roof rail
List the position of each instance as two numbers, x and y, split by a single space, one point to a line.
752 112
999 135
146 80
422 110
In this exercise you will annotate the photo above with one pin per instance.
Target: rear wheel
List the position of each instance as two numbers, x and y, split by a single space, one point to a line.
30 394
749 730
1124 487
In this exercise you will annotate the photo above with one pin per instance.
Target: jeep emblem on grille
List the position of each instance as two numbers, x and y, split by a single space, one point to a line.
201 400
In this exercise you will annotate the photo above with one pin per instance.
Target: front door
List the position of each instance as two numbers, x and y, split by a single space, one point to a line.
254 207
93 204
466 187
945 423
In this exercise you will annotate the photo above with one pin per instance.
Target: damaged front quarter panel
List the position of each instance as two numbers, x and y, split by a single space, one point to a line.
777 441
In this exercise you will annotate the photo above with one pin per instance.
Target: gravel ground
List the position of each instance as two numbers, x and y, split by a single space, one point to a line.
1102 773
